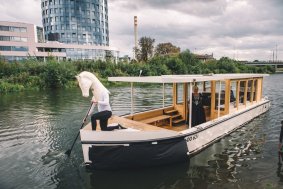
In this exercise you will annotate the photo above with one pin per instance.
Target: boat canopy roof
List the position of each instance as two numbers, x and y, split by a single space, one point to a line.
184 78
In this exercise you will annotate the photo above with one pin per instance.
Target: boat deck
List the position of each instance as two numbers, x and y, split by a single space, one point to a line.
141 126
128 124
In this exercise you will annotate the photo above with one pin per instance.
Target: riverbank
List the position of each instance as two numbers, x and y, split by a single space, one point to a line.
34 75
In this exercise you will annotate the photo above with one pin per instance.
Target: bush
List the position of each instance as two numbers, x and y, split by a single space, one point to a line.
32 74
56 75
8 87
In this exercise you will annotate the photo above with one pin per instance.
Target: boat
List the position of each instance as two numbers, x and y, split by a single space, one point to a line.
166 135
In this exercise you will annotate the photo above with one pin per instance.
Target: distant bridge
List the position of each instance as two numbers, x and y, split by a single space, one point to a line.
277 64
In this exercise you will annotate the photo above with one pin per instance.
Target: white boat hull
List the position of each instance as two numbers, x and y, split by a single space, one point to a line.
107 150
209 132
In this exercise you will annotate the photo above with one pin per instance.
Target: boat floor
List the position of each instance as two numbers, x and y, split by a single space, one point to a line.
128 123
136 125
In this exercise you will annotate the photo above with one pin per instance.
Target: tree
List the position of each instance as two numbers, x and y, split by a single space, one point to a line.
176 65
188 58
109 57
166 49
145 50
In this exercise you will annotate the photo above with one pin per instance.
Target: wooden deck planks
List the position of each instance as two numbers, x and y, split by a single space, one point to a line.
128 124
154 120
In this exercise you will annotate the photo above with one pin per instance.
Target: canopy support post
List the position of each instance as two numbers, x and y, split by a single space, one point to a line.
163 95
219 99
132 98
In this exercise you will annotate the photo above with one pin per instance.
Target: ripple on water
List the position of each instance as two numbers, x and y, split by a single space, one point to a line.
35 134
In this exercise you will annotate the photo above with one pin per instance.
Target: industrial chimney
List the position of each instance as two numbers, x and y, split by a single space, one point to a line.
136 34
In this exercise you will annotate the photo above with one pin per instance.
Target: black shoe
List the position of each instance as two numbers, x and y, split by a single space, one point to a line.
121 127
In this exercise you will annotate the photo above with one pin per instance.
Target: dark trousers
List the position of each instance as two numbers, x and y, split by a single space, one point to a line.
103 117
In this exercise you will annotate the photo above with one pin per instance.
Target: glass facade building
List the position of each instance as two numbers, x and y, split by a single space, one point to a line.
19 41
72 30
76 21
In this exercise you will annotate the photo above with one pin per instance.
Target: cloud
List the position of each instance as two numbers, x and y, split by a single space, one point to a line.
191 7
251 29
27 11
243 29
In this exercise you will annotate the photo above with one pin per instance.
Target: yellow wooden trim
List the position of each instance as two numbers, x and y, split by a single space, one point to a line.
237 94
227 95
252 92
256 90
259 89
186 101
212 112
246 92
261 93
174 94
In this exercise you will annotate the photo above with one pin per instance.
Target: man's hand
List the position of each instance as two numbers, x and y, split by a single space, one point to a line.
93 100
84 121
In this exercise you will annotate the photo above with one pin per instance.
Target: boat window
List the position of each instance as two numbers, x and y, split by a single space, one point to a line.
180 90
249 95
255 90
206 99
206 86
220 98
233 92
206 94
242 92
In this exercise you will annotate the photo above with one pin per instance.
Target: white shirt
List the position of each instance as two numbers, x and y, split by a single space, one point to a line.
102 104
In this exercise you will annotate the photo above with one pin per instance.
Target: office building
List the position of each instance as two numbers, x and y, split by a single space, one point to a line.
72 30
21 40
76 21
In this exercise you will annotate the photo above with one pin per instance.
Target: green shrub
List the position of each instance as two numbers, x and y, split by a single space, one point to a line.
33 74
8 87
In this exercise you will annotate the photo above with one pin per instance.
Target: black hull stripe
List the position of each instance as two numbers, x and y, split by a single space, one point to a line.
139 155
178 136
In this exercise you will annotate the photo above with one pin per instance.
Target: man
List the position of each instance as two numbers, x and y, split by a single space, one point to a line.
103 114
198 114
104 111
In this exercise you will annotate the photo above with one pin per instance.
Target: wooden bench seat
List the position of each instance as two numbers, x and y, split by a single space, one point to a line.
156 119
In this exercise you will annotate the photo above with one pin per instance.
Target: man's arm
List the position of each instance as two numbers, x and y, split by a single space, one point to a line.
92 106
105 99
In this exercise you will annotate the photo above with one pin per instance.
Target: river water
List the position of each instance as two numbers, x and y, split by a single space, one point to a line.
36 128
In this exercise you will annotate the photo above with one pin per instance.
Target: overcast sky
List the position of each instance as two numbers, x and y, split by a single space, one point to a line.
240 29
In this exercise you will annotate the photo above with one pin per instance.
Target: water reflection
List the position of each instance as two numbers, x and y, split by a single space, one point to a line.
36 128
280 172
158 177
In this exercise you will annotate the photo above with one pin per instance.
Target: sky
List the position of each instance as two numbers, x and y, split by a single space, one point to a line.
239 29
